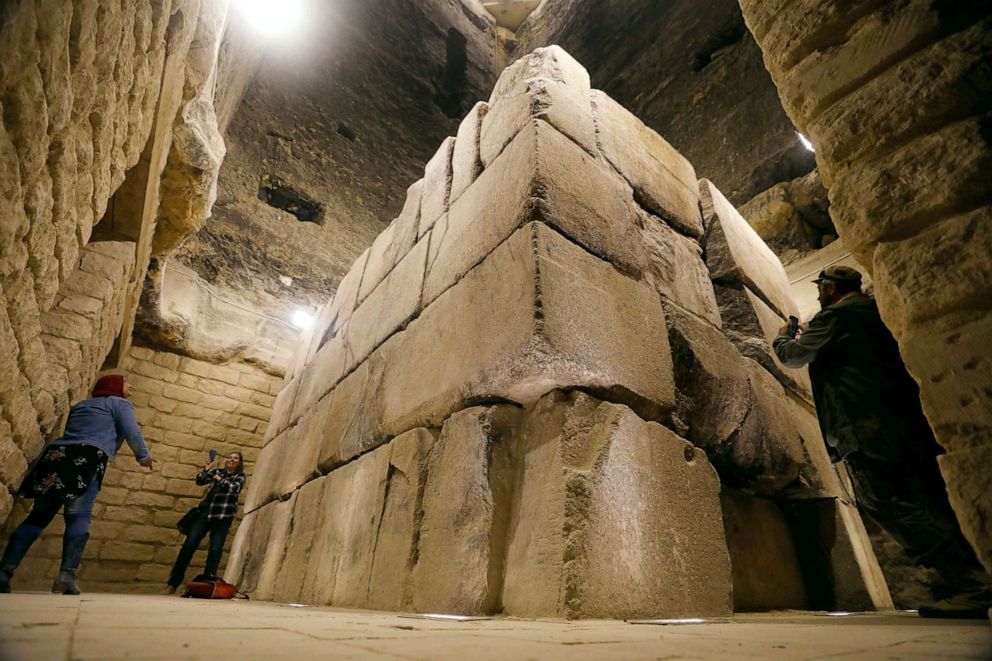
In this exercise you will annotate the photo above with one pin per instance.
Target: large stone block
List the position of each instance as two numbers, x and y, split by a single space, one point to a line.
396 545
614 517
466 161
566 319
390 247
546 84
309 513
736 254
340 560
461 539
732 408
766 570
968 486
544 176
664 182
437 186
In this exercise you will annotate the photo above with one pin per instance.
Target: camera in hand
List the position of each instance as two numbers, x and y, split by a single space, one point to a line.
213 452
793 326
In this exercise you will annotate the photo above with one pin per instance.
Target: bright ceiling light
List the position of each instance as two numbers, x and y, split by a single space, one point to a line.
805 141
272 18
301 319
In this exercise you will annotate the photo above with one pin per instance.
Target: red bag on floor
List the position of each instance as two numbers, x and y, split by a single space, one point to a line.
212 587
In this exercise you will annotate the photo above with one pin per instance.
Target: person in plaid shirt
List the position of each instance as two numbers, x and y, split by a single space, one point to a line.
217 512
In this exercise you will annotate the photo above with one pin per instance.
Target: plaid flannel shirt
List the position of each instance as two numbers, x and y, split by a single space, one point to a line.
221 502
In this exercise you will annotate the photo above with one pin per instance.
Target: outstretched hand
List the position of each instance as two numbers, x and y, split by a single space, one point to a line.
147 462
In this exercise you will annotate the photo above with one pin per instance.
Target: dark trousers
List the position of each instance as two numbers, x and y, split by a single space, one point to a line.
909 501
218 529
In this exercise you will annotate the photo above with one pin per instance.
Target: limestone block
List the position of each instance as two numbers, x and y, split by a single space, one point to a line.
388 309
13 463
340 559
542 175
546 84
460 538
664 182
396 548
736 254
281 409
355 421
394 243
950 357
912 281
437 186
732 408
615 517
324 370
466 161
938 174
309 512
818 476
766 570
944 79
966 473
752 326
566 319
337 313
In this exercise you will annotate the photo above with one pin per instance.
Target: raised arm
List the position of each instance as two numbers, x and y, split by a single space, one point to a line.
803 350
127 428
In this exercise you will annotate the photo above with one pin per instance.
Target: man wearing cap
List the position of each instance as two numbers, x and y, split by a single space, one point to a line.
870 415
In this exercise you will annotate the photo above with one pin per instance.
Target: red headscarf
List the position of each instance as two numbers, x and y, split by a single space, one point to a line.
111 384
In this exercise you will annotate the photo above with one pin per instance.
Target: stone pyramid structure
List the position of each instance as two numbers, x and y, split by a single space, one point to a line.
534 395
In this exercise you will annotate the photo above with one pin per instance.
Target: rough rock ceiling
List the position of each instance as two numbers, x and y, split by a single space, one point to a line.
333 129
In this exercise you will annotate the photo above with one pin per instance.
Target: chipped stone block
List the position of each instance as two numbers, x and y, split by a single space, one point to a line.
340 559
282 409
466 162
355 421
766 570
732 408
664 182
566 319
394 302
596 524
460 538
394 243
396 545
308 514
752 325
437 186
547 84
965 471
736 254
337 312
319 376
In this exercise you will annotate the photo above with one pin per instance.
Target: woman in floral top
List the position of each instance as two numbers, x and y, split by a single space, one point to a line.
69 475
216 513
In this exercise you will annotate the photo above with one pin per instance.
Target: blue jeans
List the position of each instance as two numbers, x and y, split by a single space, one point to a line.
77 512
218 529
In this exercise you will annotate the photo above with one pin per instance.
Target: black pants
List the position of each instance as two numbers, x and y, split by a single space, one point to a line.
218 529
909 501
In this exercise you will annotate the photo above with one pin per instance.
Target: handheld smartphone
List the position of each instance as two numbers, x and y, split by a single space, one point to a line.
213 455
793 326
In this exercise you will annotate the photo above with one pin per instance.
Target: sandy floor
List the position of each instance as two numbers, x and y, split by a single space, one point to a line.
36 627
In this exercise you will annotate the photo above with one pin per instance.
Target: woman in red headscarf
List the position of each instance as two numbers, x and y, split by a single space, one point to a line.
69 475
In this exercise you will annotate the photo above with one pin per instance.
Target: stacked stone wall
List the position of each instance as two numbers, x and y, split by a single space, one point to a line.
555 245
79 84
895 97
185 407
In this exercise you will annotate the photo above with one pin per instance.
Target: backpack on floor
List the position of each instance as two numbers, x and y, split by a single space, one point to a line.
212 587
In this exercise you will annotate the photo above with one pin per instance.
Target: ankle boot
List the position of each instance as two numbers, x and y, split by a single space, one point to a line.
17 547
72 555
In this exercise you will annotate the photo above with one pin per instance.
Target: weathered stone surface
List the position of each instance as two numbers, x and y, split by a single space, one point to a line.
664 182
542 175
548 85
466 161
766 571
290 459
966 474
258 549
607 505
567 319
437 187
461 539
309 513
397 540
736 254
394 243
913 283
355 422
732 408
339 565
